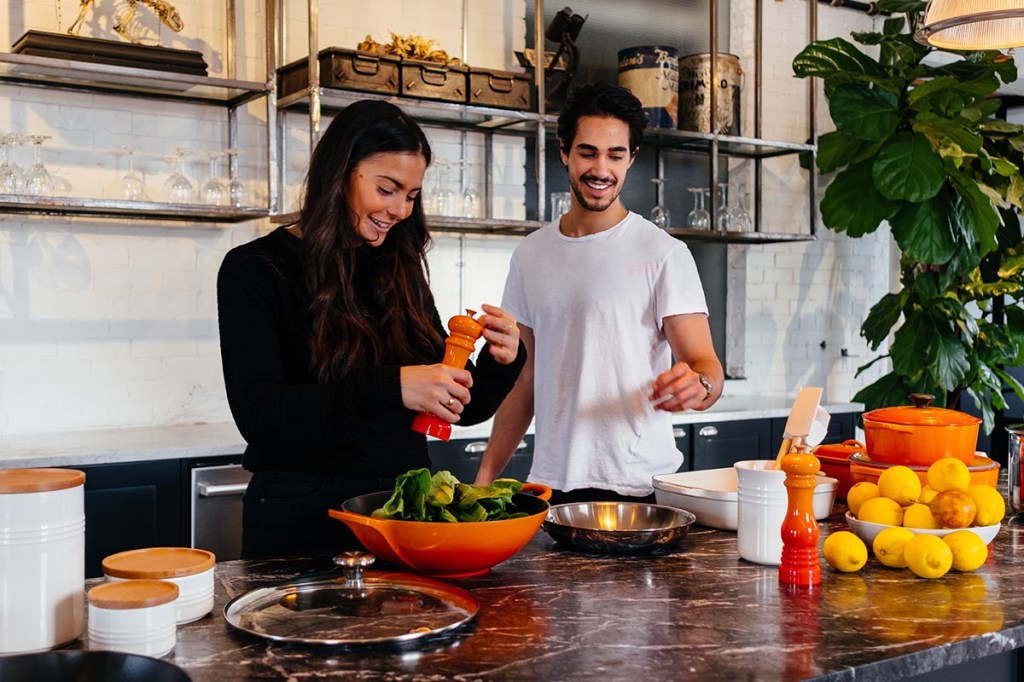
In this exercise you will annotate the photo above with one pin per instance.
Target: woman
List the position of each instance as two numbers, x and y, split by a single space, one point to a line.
331 342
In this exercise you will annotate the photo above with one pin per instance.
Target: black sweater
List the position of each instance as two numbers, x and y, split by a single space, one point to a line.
355 426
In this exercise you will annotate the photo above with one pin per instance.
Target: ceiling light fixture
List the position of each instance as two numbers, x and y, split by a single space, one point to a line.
973 24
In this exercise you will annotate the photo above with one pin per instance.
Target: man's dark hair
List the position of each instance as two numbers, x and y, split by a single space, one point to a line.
602 99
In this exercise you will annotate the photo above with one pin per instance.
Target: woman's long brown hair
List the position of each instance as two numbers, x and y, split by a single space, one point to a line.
369 305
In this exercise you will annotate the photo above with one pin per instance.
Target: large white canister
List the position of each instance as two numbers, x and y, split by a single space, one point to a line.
42 558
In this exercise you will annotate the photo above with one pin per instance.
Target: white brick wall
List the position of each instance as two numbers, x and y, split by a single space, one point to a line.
113 323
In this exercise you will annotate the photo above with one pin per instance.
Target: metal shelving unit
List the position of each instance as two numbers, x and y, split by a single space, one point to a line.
85 77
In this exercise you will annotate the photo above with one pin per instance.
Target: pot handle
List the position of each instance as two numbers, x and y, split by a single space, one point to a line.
347 516
539 490
899 428
921 400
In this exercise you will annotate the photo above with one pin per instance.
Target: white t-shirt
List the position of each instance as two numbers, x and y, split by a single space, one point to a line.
596 305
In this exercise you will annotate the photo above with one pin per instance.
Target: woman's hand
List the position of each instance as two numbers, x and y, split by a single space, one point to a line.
439 389
501 332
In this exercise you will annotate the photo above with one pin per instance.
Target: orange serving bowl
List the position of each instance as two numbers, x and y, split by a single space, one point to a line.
835 462
983 470
440 549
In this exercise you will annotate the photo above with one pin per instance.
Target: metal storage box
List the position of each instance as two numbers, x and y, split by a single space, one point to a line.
343 69
431 80
504 89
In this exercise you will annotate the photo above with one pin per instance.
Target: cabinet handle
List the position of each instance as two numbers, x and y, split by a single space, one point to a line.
678 433
708 431
478 446
207 490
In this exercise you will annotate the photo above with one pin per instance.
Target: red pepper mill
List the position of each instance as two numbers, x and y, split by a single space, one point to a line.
800 564
457 349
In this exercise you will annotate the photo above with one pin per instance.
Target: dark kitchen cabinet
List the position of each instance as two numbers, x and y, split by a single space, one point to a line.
129 506
462 458
840 427
683 436
722 444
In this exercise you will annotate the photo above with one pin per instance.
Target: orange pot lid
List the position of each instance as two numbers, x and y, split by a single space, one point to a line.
919 414
39 480
132 594
158 562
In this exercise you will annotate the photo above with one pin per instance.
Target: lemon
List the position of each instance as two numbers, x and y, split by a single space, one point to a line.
881 510
888 546
845 552
990 504
900 483
919 515
927 494
928 556
864 490
948 473
969 550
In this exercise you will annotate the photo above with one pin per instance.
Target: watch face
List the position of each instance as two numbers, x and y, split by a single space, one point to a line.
706 383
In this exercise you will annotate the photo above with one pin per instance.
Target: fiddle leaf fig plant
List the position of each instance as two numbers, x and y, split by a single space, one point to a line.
918 145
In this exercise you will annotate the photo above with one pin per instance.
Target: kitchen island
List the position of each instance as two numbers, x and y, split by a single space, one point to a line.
698 612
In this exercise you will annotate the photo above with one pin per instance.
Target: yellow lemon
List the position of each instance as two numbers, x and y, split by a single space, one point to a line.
969 550
927 494
928 556
888 546
881 510
845 552
948 473
900 483
919 515
990 504
858 493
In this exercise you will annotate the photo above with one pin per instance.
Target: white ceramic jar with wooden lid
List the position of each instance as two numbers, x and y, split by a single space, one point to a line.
134 616
192 570
42 558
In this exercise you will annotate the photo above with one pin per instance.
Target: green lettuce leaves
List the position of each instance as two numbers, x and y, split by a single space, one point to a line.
419 496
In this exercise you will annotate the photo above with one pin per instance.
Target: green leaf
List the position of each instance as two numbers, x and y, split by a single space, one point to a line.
867 37
974 212
922 230
924 343
853 205
918 96
882 317
863 113
893 25
824 58
836 149
900 6
1000 127
953 131
908 168
1012 263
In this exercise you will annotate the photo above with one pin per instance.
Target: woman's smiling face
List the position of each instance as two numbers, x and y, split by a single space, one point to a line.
382 190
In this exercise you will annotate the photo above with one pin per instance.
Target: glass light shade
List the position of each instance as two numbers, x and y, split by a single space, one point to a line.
973 24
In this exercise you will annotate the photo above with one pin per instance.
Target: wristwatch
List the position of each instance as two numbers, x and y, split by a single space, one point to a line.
706 383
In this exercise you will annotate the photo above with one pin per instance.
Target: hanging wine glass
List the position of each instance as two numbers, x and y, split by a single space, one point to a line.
659 214
10 174
132 188
38 181
178 188
471 203
724 220
214 191
698 218
442 197
740 217
236 188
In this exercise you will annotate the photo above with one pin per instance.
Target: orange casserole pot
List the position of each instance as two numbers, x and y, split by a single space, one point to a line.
919 435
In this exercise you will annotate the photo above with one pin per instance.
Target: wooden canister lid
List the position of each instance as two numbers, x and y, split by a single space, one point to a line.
158 562
39 480
133 594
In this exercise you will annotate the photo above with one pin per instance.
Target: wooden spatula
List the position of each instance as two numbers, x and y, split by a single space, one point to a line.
801 416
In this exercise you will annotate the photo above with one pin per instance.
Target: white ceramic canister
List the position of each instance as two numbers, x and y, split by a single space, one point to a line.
42 558
762 502
134 617
190 569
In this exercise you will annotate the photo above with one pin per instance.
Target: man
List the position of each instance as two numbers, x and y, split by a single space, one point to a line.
604 301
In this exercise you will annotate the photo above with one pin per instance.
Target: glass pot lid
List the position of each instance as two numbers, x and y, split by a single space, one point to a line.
375 607
919 414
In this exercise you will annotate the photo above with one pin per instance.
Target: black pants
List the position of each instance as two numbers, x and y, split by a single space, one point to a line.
285 512
595 495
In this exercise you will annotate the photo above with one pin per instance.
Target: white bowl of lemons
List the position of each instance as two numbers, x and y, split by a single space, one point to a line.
866 530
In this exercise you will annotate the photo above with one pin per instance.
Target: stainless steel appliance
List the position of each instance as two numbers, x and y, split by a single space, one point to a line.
216 507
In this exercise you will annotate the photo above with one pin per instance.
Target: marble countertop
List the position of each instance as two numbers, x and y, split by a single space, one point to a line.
698 612
140 444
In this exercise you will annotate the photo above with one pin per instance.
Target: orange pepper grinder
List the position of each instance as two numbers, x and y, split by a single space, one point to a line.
800 564
457 349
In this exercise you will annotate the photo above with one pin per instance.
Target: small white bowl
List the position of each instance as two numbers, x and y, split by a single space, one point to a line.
711 495
867 531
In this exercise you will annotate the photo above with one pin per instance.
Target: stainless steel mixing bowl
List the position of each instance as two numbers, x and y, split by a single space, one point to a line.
617 527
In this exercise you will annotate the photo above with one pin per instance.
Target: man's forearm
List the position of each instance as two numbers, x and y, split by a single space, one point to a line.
510 424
